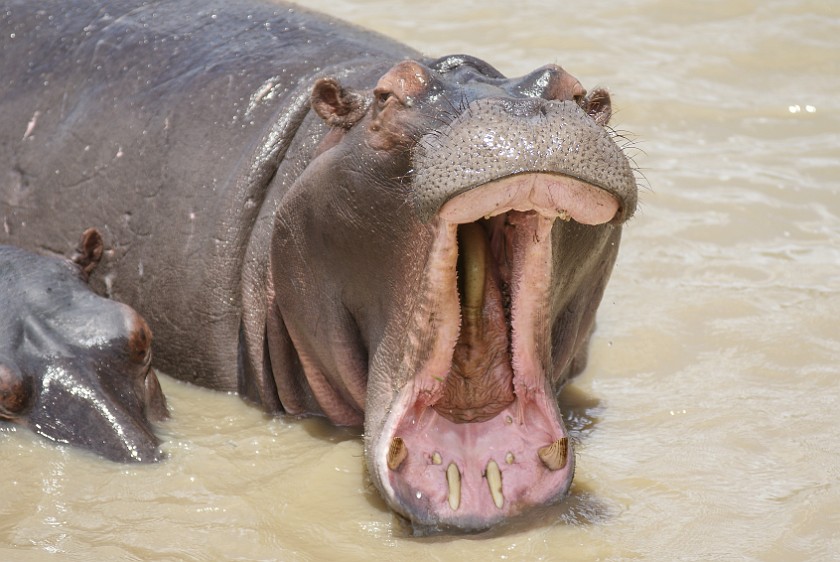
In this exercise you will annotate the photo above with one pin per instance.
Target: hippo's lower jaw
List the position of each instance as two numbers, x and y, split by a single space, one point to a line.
476 436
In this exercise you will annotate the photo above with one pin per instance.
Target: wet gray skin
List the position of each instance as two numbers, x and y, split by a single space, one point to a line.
330 224
75 367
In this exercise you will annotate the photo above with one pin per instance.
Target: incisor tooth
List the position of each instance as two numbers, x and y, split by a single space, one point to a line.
397 453
436 458
555 455
494 481
453 477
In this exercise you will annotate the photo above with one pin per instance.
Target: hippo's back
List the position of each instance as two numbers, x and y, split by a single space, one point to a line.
169 126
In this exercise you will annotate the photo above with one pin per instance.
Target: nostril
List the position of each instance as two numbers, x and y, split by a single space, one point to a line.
559 85
16 392
139 341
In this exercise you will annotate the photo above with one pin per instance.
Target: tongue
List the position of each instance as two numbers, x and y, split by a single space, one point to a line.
479 385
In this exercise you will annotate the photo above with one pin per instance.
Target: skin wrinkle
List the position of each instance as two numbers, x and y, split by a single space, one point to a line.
254 315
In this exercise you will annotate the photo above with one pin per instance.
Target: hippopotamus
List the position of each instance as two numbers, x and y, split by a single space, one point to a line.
75 367
330 223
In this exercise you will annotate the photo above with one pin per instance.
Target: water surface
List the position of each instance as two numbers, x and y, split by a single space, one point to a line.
707 422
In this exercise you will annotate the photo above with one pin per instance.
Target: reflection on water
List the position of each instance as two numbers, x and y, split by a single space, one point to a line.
706 423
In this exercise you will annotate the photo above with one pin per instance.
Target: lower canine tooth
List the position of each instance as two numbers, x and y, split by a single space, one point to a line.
453 477
494 481
397 453
555 455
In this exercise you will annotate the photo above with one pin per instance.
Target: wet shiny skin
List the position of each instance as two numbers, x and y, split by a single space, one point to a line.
705 424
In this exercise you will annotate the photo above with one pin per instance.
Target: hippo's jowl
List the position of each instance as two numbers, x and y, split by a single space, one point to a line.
75 367
328 223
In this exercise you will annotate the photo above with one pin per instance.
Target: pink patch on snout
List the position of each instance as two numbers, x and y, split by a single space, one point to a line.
549 194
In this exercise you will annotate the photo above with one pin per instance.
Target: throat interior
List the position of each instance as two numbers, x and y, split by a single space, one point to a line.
479 384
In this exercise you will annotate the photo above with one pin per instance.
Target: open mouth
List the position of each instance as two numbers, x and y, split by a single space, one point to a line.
476 436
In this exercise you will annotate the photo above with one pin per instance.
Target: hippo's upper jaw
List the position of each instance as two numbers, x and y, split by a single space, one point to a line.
498 215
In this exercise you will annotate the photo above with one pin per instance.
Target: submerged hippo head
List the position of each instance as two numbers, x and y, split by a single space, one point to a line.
459 229
75 367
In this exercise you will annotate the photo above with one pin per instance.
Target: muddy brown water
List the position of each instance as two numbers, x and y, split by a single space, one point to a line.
707 422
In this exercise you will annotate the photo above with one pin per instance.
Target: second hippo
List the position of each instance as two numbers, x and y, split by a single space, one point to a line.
75 367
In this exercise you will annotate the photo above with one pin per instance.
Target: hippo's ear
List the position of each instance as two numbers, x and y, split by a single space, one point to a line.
15 391
337 106
89 251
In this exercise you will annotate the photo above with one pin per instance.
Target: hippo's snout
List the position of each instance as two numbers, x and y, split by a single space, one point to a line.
494 138
109 421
